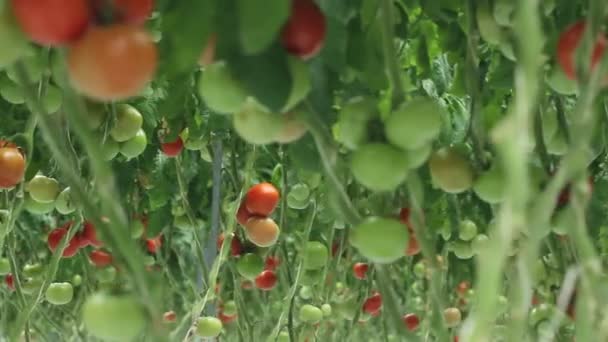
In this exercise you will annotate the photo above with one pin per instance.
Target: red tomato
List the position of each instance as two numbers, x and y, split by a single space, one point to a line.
112 62
262 199
271 263
134 12
373 304
154 244
169 317
88 236
463 287
55 237
173 149
569 41
100 258
266 280
243 215
10 281
12 167
226 319
413 247
52 22
235 245
304 33
360 269
411 321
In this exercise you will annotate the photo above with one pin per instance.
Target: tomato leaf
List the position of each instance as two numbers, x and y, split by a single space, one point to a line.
260 24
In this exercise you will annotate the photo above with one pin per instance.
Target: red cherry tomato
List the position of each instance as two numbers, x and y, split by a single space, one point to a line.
262 199
411 321
569 41
360 270
271 263
413 247
10 281
134 12
112 62
154 244
266 280
55 237
243 215
100 258
52 22
173 149
304 33
235 245
88 236
373 304
226 319
12 167
169 317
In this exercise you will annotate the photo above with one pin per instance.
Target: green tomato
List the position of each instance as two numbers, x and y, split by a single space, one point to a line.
59 293
311 277
301 84
208 327
137 229
77 280
479 243
560 83
230 308
64 203
316 255
380 167
31 286
33 270
450 171
467 230
300 192
310 313
220 90
420 269
326 309
416 158
293 128
96 115
106 275
128 123
113 318
353 120
462 250
37 208
250 265
306 292
490 185
13 41
43 189
5 267
380 240
255 125
415 124
11 92
136 146
109 149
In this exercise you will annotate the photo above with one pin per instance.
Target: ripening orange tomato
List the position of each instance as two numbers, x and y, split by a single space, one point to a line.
12 167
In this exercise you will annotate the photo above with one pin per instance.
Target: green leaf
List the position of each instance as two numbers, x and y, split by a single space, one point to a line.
260 23
303 153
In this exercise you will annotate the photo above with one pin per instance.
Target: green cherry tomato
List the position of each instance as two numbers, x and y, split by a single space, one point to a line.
255 125
316 255
380 167
134 147
77 280
540 313
208 327
415 124
306 291
310 314
416 158
220 90
450 171
128 123
353 120
37 208
33 270
43 189
326 309
64 203
13 41
467 230
490 185
109 149
59 293
420 269
5 266
250 265
462 250
31 286
380 240
230 308
106 275
113 318
479 243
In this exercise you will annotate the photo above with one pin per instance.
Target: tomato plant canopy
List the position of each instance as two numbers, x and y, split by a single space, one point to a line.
303 170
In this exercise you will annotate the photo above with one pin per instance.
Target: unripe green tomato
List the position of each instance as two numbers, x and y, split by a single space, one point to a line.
416 158
255 125
490 185
31 286
134 147
220 90
137 229
462 250
59 293
64 203
96 115
106 274
316 255
380 240
37 208
420 269
450 171
5 266
33 270
305 292
415 124
113 318
77 280
229 308
479 243
326 309
310 314
128 123
250 265
208 327
467 230
353 120
380 167
109 149
43 189
311 277
11 92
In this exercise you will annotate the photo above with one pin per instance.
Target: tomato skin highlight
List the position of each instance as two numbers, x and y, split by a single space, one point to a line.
266 280
304 33
568 43
100 258
360 269
173 149
12 167
113 62
52 22
262 199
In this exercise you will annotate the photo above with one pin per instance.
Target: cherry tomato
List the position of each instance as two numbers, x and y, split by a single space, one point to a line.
360 270
55 238
88 236
52 22
272 263
250 265
311 314
173 149
59 293
568 43
208 327
9 280
127 124
220 90
266 280
225 318
304 33
169 317
380 240
353 121
411 321
33 270
134 147
100 258
12 167
292 128
236 247
243 215
256 125
229 308
43 189
114 318
154 244
262 199
463 287
379 167
64 203
263 232
316 255
450 171
467 230
415 124
134 12
452 317
112 62
373 304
